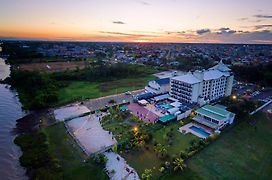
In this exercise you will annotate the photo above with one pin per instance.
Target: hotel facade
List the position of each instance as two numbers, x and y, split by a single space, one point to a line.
203 86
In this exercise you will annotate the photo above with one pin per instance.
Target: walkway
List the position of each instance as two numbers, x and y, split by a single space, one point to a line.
118 169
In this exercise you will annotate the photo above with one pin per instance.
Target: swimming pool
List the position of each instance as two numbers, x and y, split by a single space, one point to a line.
200 131
164 106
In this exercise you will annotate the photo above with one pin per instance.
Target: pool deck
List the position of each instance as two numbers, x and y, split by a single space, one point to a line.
186 129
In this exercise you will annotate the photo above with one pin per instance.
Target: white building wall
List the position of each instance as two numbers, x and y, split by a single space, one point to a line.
196 92
208 89
229 84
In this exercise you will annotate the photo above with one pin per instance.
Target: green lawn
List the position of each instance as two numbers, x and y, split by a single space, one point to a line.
147 158
70 155
179 141
240 153
80 90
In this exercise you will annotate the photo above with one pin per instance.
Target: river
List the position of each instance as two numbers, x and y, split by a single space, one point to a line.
10 111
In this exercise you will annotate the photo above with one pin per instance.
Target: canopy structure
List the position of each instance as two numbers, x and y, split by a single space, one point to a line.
167 118
143 102
124 107
161 97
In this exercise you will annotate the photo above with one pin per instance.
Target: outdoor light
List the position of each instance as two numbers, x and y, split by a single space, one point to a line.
234 97
135 129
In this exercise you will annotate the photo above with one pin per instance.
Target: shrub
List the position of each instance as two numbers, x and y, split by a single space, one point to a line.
183 155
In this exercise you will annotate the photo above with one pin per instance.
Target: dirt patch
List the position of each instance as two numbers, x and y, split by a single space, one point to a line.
54 66
34 121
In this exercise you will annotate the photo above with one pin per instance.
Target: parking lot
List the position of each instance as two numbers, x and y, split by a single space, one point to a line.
103 102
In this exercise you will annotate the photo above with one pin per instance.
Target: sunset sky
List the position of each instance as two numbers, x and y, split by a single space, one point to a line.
209 21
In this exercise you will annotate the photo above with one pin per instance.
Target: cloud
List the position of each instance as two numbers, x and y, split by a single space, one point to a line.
225 31
175 32
243 37
263 16
127 34
263 26
144 3
118 22
203 31
243 19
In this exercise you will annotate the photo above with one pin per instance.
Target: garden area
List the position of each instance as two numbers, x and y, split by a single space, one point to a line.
161 149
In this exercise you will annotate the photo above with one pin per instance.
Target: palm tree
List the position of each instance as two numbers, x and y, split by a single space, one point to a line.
159 148
147 174
179 164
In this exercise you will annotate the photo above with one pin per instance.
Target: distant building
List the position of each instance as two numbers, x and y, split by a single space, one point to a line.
202 86
215 117
160 86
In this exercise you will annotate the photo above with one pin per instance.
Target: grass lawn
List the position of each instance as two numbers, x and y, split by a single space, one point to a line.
179 141
70 155
80 90
147 158
240 153
143 159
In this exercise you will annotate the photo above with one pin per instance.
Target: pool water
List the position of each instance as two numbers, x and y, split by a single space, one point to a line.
165 106
200 131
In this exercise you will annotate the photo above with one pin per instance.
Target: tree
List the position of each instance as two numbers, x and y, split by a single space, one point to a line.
139 139
159 148
147 174
115 148
179 164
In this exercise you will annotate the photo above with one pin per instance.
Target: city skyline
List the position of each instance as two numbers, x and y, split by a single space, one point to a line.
194 21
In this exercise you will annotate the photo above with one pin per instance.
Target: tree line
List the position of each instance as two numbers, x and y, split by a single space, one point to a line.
260 74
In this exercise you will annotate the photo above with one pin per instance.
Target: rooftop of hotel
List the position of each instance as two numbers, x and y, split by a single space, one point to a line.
187 78
221 67
214 74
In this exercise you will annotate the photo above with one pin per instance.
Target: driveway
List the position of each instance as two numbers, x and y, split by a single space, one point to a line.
102 102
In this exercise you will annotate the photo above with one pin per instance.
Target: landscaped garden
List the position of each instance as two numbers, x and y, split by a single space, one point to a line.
159 148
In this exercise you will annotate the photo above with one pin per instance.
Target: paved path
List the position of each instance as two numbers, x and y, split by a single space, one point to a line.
121 169
102 102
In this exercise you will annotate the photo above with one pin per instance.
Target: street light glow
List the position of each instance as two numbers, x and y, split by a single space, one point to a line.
135 129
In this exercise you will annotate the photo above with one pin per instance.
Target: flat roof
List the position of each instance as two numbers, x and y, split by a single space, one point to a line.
161 97
163 81
188 78
167 118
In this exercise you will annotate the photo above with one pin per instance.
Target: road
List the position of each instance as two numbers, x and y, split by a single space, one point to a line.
102 102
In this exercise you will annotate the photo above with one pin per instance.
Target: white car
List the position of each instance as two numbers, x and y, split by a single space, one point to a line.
128 93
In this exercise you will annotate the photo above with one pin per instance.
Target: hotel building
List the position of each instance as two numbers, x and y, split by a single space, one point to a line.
202 86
